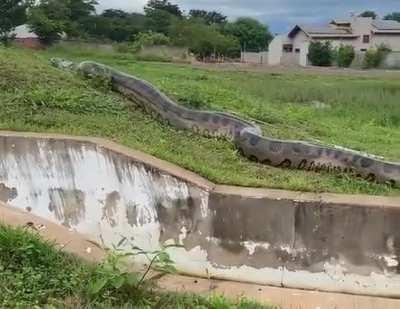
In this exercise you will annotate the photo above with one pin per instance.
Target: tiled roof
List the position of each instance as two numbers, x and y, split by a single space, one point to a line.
386 25
325 31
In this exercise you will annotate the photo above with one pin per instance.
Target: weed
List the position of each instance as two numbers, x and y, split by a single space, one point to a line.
34 274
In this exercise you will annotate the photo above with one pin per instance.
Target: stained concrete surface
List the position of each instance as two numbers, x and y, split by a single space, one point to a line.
75 243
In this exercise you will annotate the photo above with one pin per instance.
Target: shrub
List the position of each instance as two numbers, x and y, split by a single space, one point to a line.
374 56
149 39
345 56
321 53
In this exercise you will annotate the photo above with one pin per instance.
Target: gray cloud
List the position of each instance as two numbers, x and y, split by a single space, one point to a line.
279 14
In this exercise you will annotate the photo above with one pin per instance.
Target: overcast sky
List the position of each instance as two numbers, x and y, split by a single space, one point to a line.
280 15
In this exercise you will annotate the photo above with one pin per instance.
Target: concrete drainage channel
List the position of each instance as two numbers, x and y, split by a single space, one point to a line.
328 242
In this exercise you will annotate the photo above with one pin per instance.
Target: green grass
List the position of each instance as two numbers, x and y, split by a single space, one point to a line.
361 113
34 274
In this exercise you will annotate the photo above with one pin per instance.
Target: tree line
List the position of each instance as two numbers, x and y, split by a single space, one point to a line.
203 32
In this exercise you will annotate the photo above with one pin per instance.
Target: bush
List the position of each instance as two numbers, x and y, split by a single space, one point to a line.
321 53
204 40
345 56
149 39
374 56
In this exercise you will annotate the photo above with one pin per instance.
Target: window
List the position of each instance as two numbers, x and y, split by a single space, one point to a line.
297 50
366 39
363 49
288 48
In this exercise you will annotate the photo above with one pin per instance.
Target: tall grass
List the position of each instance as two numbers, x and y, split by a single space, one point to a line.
37 97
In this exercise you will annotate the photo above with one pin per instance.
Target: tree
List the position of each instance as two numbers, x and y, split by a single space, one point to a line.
163 5
115 25
48 20
203 40
345 56
209 17
393 16
160 15
78 10
251 34
320 53
111 13
369 14
12 14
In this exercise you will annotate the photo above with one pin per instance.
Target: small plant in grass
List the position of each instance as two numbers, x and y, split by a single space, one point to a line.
345 55
113 277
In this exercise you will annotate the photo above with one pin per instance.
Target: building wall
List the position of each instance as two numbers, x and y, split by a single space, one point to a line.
275 50
392 61
33 43
361 27
391 40
299 40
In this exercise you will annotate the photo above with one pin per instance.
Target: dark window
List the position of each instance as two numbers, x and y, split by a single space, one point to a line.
366 39
288 48
297 50
363 49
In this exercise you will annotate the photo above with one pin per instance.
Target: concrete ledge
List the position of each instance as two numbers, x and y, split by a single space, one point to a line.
330 242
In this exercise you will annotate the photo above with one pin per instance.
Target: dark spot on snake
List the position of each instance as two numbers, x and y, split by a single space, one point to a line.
355 158
371 177
337 154
267 161
285 163
254 139
253 158
366 162
302 164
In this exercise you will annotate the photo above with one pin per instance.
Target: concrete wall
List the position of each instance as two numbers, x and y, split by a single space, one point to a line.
390 40
275 50
304 240
255 58
392 61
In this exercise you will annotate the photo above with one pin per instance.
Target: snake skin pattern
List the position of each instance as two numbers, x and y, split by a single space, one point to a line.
245 135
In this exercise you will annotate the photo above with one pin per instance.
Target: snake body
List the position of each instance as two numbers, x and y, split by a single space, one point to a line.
246 136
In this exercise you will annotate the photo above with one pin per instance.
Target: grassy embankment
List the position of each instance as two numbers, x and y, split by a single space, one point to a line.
359 113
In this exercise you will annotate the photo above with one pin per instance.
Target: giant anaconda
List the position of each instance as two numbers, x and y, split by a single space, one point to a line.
245 135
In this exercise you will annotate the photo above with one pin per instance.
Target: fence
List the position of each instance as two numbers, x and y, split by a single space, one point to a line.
256 58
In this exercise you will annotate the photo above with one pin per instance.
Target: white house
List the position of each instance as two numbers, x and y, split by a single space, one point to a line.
25 37
360 32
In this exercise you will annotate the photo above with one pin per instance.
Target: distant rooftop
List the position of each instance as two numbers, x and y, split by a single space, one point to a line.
386 24
23 32
324 31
